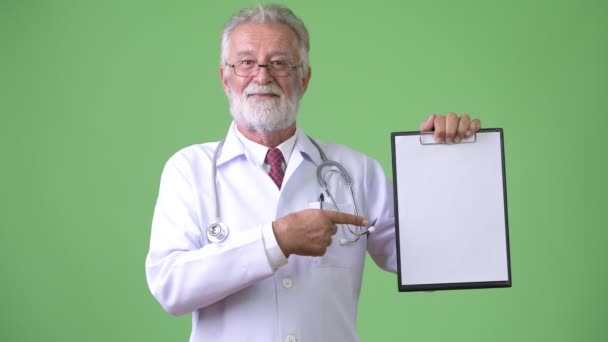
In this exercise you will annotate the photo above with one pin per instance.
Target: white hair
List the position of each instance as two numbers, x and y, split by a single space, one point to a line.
270 13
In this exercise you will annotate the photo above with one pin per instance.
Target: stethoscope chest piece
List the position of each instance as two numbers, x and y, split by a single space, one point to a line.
217 232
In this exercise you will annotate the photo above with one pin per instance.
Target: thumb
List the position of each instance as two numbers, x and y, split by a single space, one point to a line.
428 124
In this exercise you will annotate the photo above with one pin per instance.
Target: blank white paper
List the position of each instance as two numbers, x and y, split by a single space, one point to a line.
451 211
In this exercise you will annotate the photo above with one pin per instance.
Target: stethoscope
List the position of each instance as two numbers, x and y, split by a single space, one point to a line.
218 231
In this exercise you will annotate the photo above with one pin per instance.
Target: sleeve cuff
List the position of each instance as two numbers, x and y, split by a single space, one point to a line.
276 258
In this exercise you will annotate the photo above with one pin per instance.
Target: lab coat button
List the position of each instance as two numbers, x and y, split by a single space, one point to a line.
291 338
287 283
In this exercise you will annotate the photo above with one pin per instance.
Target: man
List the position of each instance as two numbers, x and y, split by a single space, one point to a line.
284 264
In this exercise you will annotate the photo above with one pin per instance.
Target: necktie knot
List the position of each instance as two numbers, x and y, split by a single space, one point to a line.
274 158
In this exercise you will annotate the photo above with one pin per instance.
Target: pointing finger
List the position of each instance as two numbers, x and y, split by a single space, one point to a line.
337 217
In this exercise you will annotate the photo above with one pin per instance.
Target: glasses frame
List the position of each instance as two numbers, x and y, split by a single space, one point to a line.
290 69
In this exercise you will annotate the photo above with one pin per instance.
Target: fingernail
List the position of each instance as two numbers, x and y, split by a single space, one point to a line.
457 140
449 140
469 133
365 223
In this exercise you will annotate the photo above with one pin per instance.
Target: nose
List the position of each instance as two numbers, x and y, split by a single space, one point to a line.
263 75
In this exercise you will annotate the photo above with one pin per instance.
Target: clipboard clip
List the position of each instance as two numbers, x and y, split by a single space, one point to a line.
426 138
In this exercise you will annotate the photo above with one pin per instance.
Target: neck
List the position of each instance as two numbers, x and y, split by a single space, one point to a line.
268 139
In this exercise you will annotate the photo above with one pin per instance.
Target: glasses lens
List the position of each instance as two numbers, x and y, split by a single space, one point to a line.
278 68
278 72
246 69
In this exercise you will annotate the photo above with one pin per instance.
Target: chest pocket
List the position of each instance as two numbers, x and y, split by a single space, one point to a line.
342 252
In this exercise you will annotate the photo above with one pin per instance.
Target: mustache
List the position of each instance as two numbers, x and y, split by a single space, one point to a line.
262 89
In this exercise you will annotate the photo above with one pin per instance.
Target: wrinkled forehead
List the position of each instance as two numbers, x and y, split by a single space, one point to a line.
259 40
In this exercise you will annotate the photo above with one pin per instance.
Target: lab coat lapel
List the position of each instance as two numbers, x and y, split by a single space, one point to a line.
303 151
300 187
232 147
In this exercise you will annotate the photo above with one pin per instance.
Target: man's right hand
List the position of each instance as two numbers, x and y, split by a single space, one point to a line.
308 232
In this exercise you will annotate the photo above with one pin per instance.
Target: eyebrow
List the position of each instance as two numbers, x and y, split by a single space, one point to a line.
245 53
273 54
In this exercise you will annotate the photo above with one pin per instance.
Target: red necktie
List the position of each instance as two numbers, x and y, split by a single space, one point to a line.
274 158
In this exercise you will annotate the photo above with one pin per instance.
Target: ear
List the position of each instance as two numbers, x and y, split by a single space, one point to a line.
224 78
305 80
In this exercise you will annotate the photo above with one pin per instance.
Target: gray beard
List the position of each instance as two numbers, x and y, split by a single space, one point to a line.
264 116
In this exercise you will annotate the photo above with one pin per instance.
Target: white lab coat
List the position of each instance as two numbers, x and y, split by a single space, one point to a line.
230 287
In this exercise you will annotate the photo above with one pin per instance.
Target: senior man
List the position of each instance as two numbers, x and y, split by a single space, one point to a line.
247 235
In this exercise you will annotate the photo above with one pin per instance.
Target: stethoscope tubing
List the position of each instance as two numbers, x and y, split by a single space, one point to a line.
215 235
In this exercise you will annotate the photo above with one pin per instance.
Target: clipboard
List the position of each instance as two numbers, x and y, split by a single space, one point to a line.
451 212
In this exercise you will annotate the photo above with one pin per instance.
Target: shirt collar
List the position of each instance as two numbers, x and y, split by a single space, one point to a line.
235 146
256 153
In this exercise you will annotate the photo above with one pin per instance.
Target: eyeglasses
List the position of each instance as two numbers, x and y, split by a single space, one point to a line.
250 68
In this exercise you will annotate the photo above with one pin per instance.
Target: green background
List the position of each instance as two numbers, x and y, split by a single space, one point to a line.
96 95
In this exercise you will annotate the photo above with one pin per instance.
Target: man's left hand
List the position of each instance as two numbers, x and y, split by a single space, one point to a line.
450 128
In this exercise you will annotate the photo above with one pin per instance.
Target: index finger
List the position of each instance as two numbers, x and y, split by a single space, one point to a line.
337 217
